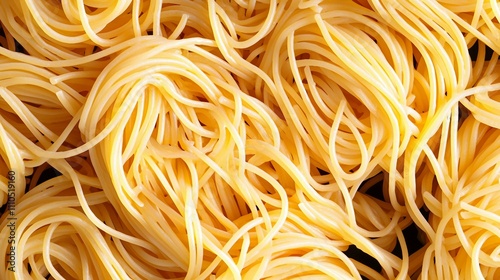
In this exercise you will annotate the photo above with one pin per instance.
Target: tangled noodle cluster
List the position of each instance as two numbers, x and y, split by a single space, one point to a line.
250 139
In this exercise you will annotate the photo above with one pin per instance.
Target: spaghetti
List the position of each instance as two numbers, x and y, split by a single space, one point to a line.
249 139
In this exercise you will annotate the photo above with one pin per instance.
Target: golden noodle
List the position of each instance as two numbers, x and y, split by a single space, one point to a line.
249 139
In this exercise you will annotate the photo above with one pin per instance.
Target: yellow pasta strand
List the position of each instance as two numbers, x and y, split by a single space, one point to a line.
255 139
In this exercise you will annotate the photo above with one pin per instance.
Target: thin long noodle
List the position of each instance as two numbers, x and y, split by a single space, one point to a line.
147 139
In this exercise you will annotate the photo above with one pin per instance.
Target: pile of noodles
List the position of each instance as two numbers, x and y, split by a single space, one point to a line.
249 139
